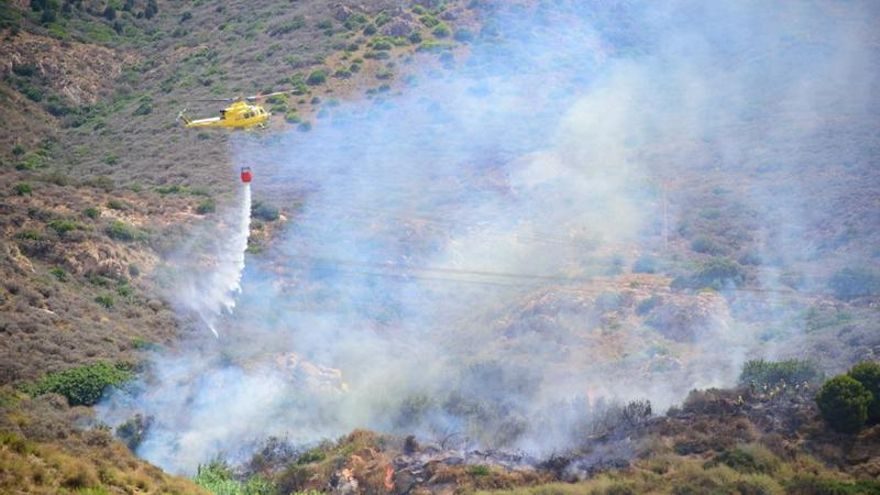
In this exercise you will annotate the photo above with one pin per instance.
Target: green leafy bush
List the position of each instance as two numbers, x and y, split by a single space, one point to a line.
59 273
63 226
868 374
264 211
716 273
115 204
316 78
217 477
441 30
814 485
121 231
747 460
314 455
843 402
83 385
759 372
105 300
92 212
23 188
206 206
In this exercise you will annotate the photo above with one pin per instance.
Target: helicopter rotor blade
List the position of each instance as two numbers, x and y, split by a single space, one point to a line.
266 95
215 99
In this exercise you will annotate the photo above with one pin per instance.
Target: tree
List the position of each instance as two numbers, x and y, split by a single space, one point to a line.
868 374
843 402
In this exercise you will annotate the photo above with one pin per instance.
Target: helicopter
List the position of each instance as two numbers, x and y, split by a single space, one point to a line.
241 114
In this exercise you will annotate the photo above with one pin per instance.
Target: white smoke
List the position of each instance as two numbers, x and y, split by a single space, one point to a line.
444 271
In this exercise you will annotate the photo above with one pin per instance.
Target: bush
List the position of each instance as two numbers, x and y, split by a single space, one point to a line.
746 460
759 372
115 204
442 30
314 455
59 273
92 212
206 206
105 300
82 386
265 212
814 485
287 26
23 188
868 374
850 283
121 231
843 402
63 226
317 78
717 273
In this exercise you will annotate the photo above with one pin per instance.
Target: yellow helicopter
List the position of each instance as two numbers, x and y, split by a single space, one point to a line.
241 114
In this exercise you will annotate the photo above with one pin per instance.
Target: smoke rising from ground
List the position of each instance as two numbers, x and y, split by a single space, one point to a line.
447 269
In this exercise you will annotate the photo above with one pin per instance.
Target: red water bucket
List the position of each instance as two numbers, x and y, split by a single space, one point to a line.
246 175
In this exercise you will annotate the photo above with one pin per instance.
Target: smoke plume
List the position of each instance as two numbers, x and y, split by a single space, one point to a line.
452 263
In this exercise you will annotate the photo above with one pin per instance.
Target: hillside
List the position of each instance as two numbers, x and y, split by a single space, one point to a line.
523 246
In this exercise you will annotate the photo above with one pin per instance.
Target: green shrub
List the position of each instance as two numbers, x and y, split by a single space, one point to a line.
746 460
868 374
206 206
23 188
121 231
287 26
793 371
814 485
442 30
115 204
217 477
29 235
83 385
314 455
265 212
716 273
59 273
429 20
479 470
105 300
843 402
92 212
415 38
316 78
292 117
850 283
63 226
370 29
111 159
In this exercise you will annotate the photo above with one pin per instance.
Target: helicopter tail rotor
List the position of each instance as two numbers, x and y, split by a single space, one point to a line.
181 117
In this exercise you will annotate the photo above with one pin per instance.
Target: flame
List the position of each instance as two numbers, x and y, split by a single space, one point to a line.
389 478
